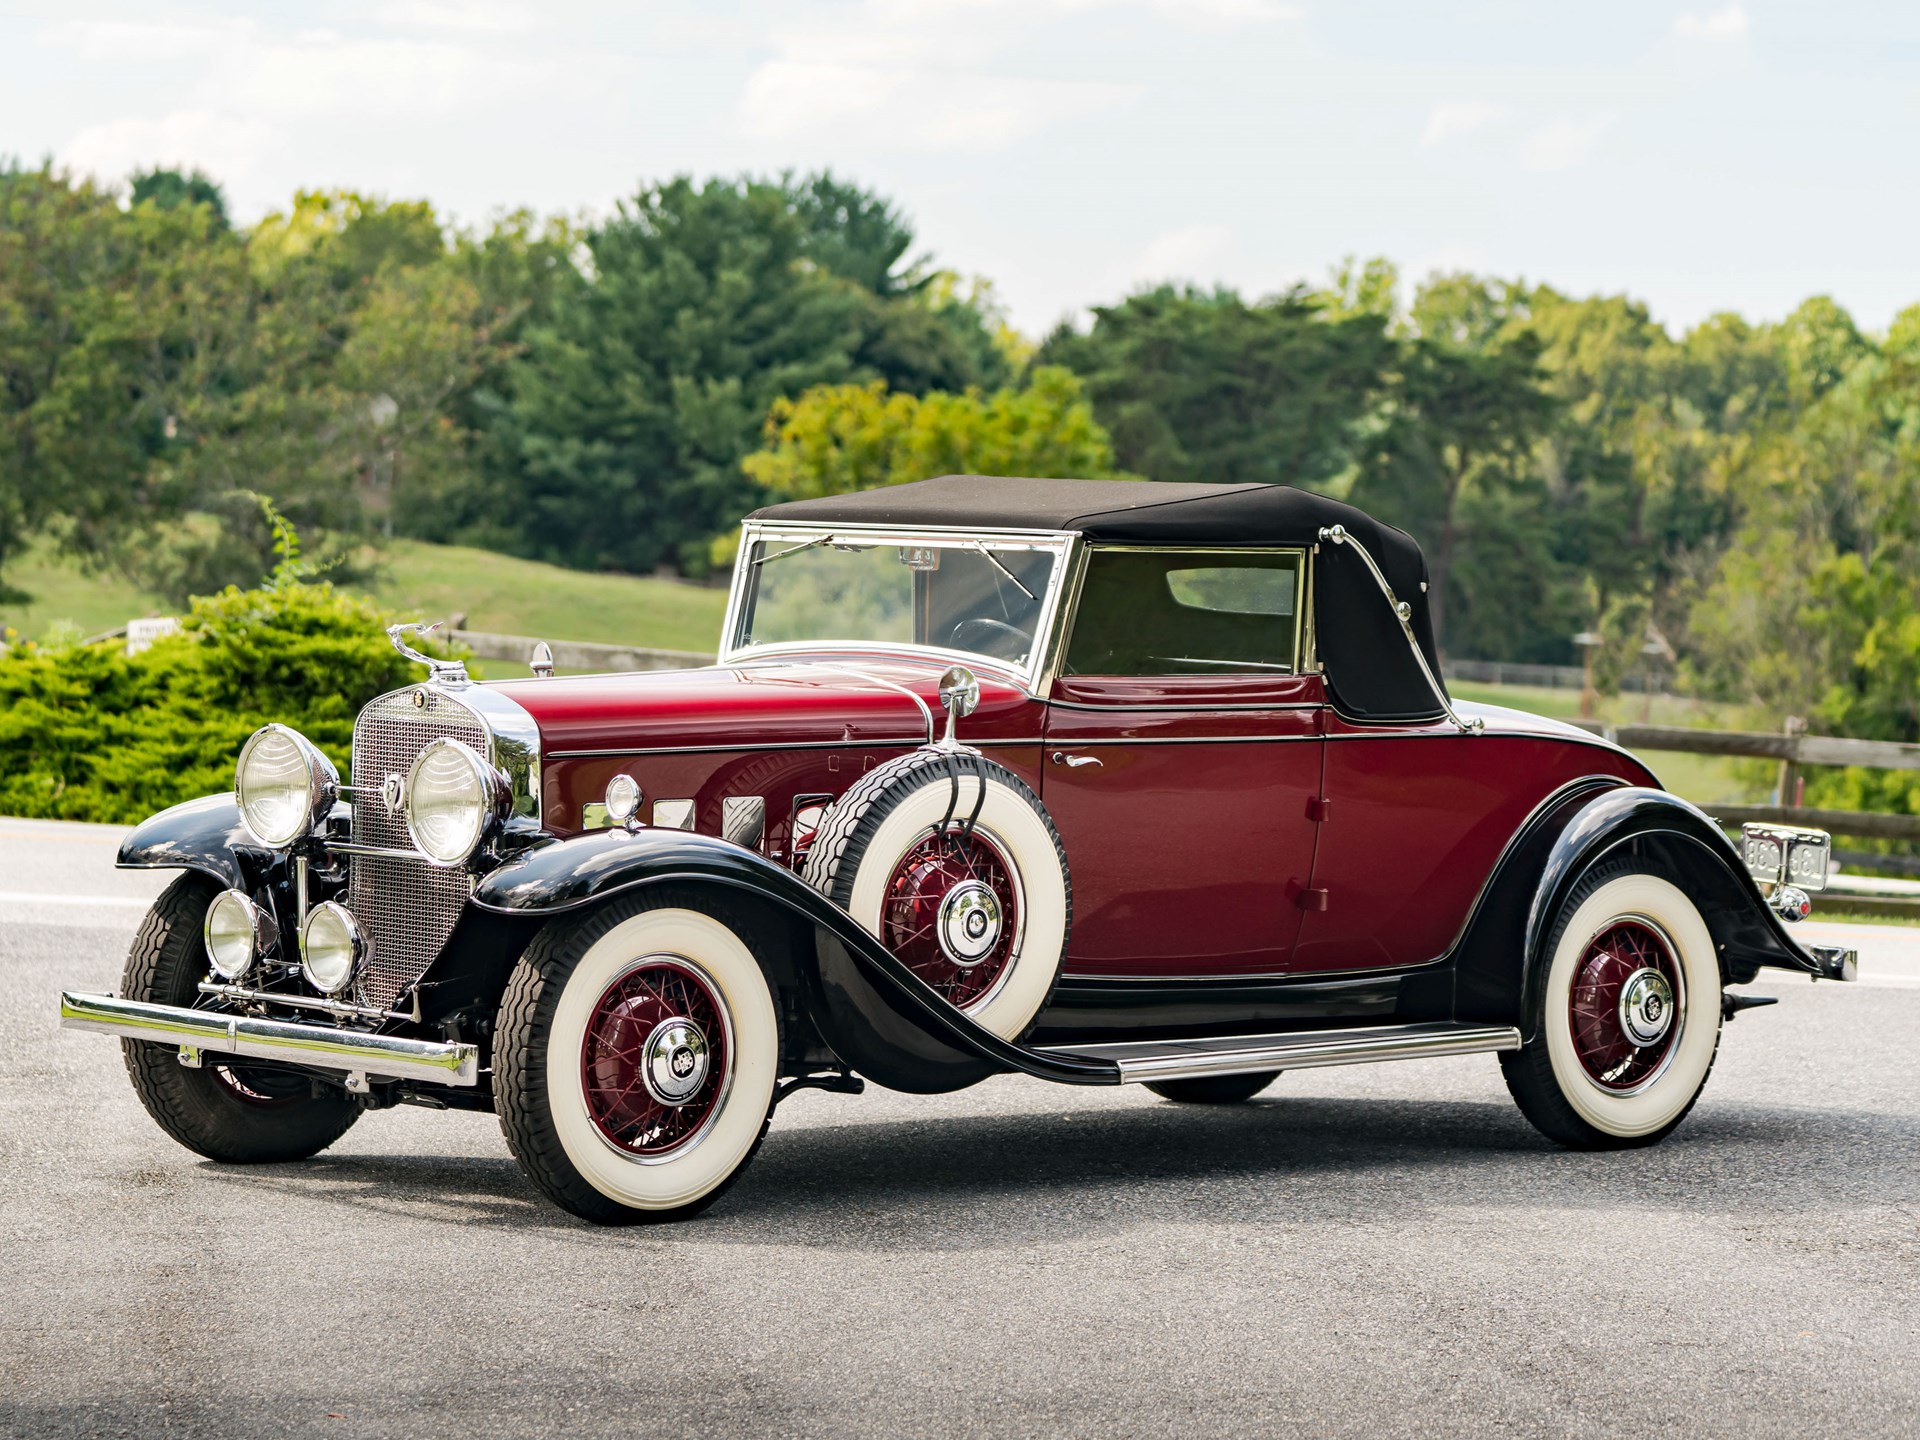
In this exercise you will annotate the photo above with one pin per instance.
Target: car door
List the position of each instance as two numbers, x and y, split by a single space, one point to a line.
1183 757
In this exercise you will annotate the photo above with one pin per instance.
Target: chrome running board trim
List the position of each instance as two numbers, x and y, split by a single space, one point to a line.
389 1056
1140 1061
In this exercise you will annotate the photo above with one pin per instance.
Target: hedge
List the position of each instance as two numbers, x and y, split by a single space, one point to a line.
88 732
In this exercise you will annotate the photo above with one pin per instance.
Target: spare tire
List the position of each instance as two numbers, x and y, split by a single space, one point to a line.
951 862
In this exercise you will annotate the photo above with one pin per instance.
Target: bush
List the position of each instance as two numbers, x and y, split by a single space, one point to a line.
90 733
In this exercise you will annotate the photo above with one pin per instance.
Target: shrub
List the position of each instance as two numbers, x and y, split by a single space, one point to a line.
88 732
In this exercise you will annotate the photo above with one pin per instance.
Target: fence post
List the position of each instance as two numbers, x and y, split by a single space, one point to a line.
1790 786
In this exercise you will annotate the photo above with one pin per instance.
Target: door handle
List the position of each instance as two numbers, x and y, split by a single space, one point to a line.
1074 762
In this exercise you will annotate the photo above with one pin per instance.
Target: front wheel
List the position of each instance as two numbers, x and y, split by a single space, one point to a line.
1630 1015
635 1058
227 1109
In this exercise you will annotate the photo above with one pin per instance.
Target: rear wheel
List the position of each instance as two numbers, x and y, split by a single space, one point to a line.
1630 1015
635 1058
1213 1089
226 1110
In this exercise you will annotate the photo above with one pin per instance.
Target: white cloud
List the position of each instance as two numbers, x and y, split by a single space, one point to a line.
227 147
1460 117
1192 252
1727 24
237 67
920 75
1565 143
470 17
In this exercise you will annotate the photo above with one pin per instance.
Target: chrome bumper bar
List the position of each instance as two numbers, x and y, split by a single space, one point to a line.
320 1046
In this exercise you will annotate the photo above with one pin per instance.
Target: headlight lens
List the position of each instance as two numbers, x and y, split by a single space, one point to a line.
330 947
235 930
285 787
453 797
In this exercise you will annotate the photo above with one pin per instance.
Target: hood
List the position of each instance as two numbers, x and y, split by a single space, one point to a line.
837 701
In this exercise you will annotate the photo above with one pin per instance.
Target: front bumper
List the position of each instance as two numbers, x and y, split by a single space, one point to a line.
316 1046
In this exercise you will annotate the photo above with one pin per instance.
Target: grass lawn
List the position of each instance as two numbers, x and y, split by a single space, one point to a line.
429 582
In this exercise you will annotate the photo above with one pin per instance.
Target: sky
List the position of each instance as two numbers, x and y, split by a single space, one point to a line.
1700 156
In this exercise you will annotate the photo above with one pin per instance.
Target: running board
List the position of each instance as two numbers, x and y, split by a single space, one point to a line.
1142 1060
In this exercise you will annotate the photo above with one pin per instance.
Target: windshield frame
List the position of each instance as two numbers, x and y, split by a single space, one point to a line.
1047 631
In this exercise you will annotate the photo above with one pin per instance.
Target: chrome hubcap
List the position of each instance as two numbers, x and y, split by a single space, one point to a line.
1646 1007
675 1061
969 927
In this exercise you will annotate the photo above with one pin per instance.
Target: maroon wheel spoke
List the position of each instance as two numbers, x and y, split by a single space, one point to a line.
655 1058
951 913
1623 1005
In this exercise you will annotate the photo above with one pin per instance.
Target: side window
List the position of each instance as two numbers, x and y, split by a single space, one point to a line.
1186 613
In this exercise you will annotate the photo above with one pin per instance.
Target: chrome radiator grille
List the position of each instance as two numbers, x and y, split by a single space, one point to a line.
405 908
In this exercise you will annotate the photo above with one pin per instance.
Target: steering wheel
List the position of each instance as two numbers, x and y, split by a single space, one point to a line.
989 637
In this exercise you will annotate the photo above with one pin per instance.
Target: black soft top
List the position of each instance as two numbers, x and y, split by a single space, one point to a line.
1369 669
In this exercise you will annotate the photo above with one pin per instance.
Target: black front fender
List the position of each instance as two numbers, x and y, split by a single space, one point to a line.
876 1014
204 835
1502 961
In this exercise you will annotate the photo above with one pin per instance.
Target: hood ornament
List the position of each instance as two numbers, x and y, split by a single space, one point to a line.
439 672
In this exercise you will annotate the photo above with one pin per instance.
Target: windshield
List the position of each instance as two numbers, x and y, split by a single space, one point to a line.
984 597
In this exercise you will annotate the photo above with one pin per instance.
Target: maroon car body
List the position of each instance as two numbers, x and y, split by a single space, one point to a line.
1202 812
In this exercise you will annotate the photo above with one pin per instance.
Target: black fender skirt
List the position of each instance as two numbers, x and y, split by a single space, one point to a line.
879 1017
1501 961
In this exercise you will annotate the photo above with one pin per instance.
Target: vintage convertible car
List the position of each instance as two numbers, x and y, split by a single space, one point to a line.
1097 782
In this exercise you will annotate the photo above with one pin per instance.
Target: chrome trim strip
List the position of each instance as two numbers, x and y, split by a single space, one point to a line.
1097 709
381 852
1337 535
1296 1050
440 1062
907 743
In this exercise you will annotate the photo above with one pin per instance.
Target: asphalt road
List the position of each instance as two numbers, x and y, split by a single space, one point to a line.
1384 1250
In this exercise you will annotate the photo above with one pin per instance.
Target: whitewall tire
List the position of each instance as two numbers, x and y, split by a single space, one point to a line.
954 865
636 1057
1630 1014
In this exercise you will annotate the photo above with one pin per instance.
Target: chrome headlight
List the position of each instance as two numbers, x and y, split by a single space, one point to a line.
284 785
235 930
454 797
331 947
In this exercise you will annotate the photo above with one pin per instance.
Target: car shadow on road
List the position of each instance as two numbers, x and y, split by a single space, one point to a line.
946 1181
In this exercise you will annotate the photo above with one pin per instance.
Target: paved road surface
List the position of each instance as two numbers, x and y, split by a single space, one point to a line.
1366 1252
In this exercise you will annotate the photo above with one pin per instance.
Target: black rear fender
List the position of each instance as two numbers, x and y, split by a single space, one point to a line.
1502 957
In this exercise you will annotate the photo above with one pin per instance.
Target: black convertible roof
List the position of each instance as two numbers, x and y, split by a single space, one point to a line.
1368 665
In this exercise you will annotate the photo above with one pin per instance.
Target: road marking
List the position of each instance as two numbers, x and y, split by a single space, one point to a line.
85 902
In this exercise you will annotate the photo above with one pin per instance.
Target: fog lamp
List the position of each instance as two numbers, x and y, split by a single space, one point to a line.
331 947
236 931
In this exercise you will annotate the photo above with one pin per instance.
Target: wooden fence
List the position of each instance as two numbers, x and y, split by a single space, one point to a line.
1795 750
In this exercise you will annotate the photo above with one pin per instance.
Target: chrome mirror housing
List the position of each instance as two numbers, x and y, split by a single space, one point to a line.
959 697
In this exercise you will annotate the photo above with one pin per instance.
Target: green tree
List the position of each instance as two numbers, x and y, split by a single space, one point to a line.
838 438
1205 386
169 189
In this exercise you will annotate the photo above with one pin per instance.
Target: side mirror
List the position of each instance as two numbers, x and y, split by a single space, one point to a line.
959 696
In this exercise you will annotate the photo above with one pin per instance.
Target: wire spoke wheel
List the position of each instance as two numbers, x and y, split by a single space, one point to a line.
952 912
1626 1004
655 1060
